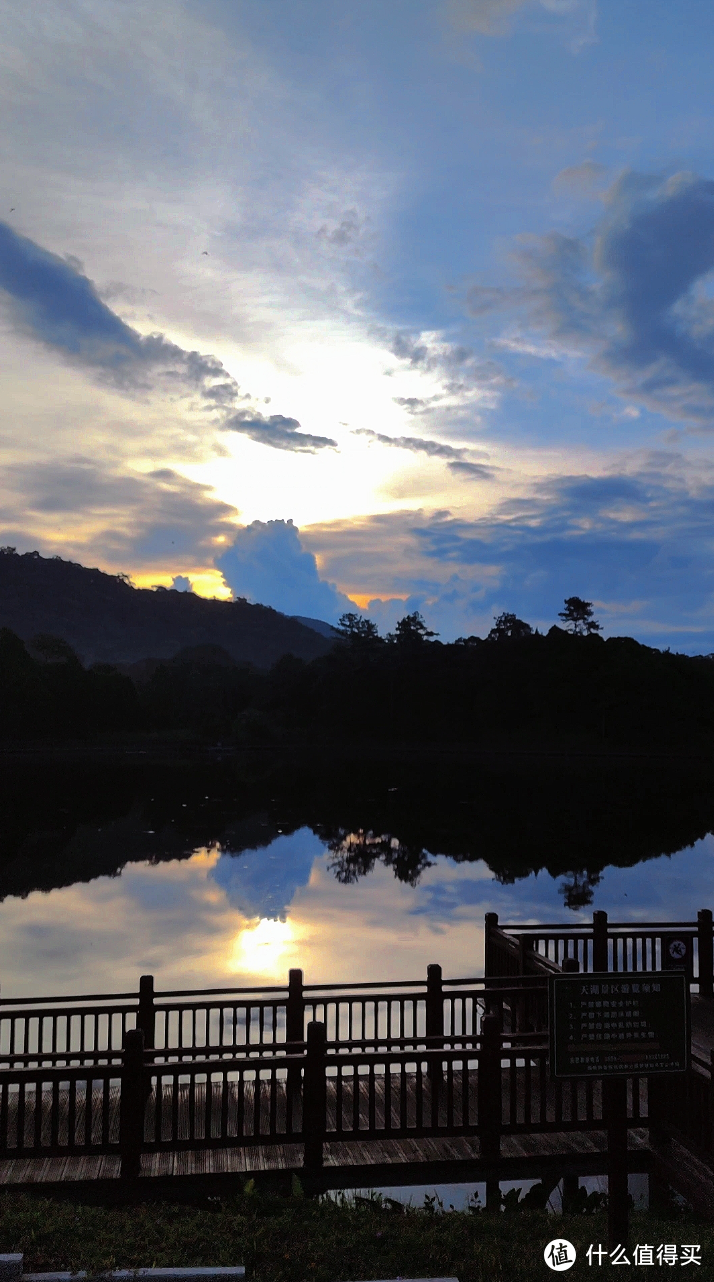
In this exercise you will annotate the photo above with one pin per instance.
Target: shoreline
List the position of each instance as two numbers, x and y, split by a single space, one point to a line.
312 750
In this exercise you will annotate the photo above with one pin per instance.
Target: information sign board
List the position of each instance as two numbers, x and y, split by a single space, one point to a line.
614 1025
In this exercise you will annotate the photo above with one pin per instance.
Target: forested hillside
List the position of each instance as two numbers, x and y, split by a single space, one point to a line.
107 620
535 689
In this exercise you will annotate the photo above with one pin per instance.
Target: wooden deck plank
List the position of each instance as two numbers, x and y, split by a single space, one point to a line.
353 1154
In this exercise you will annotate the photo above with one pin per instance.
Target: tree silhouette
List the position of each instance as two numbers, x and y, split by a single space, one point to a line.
508 627
411 631
356 629
578 617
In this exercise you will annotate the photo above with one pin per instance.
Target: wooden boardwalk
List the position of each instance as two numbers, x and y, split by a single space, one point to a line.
352 1160
391 1095
346 1164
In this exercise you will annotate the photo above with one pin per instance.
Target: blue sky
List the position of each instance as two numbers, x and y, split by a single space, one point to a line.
430 280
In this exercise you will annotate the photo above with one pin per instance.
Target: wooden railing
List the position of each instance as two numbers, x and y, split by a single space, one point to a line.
225 1023
514 950
136 1073
493 1084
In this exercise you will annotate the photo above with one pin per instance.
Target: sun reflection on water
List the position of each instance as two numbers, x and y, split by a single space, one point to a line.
261 949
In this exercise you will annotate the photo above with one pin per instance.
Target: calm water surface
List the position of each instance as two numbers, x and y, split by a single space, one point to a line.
232 875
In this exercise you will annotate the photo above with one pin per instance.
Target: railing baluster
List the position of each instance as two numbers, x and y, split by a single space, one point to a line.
87 1141
257 1101
419 1101
4 1111
513 1088
54 1115
240 1104
273 1103
449 1120
527 1090
542 1091
224 1086
356 1091
192 1090
175 1089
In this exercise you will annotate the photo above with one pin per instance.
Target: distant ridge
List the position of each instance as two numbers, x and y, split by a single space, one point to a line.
107 620
318 625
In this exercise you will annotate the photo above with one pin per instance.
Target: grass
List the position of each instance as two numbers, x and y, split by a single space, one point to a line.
297 1239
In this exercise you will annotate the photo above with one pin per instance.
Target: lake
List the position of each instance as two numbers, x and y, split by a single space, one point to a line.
231 871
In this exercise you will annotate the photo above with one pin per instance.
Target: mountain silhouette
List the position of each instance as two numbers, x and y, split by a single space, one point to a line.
107 620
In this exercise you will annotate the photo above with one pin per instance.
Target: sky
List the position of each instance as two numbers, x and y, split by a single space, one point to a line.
395 307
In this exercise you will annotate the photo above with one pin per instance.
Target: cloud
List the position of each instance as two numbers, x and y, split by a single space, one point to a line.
267 563
638 301
82 509
496 17
413 404
277 430
50 299
457 459
488 17
457 366
636 540
580 180
348 231
263 883
437 376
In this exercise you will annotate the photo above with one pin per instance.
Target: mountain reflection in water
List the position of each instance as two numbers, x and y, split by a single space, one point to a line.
233 871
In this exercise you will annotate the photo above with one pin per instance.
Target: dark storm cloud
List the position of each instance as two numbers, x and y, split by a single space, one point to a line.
457 460
51 299
638 300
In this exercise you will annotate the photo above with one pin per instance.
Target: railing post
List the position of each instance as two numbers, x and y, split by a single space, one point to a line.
570 966
706 953
294 1008
490 923
146 1015
434 1002
434 1027
710 1135
600 941
314 1096
614 1091
294 1032
489 1088
132 1105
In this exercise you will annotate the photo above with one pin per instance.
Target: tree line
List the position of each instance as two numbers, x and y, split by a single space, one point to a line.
516 684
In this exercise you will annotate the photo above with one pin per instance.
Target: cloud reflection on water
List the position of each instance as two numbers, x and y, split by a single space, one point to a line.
263 882
217 918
